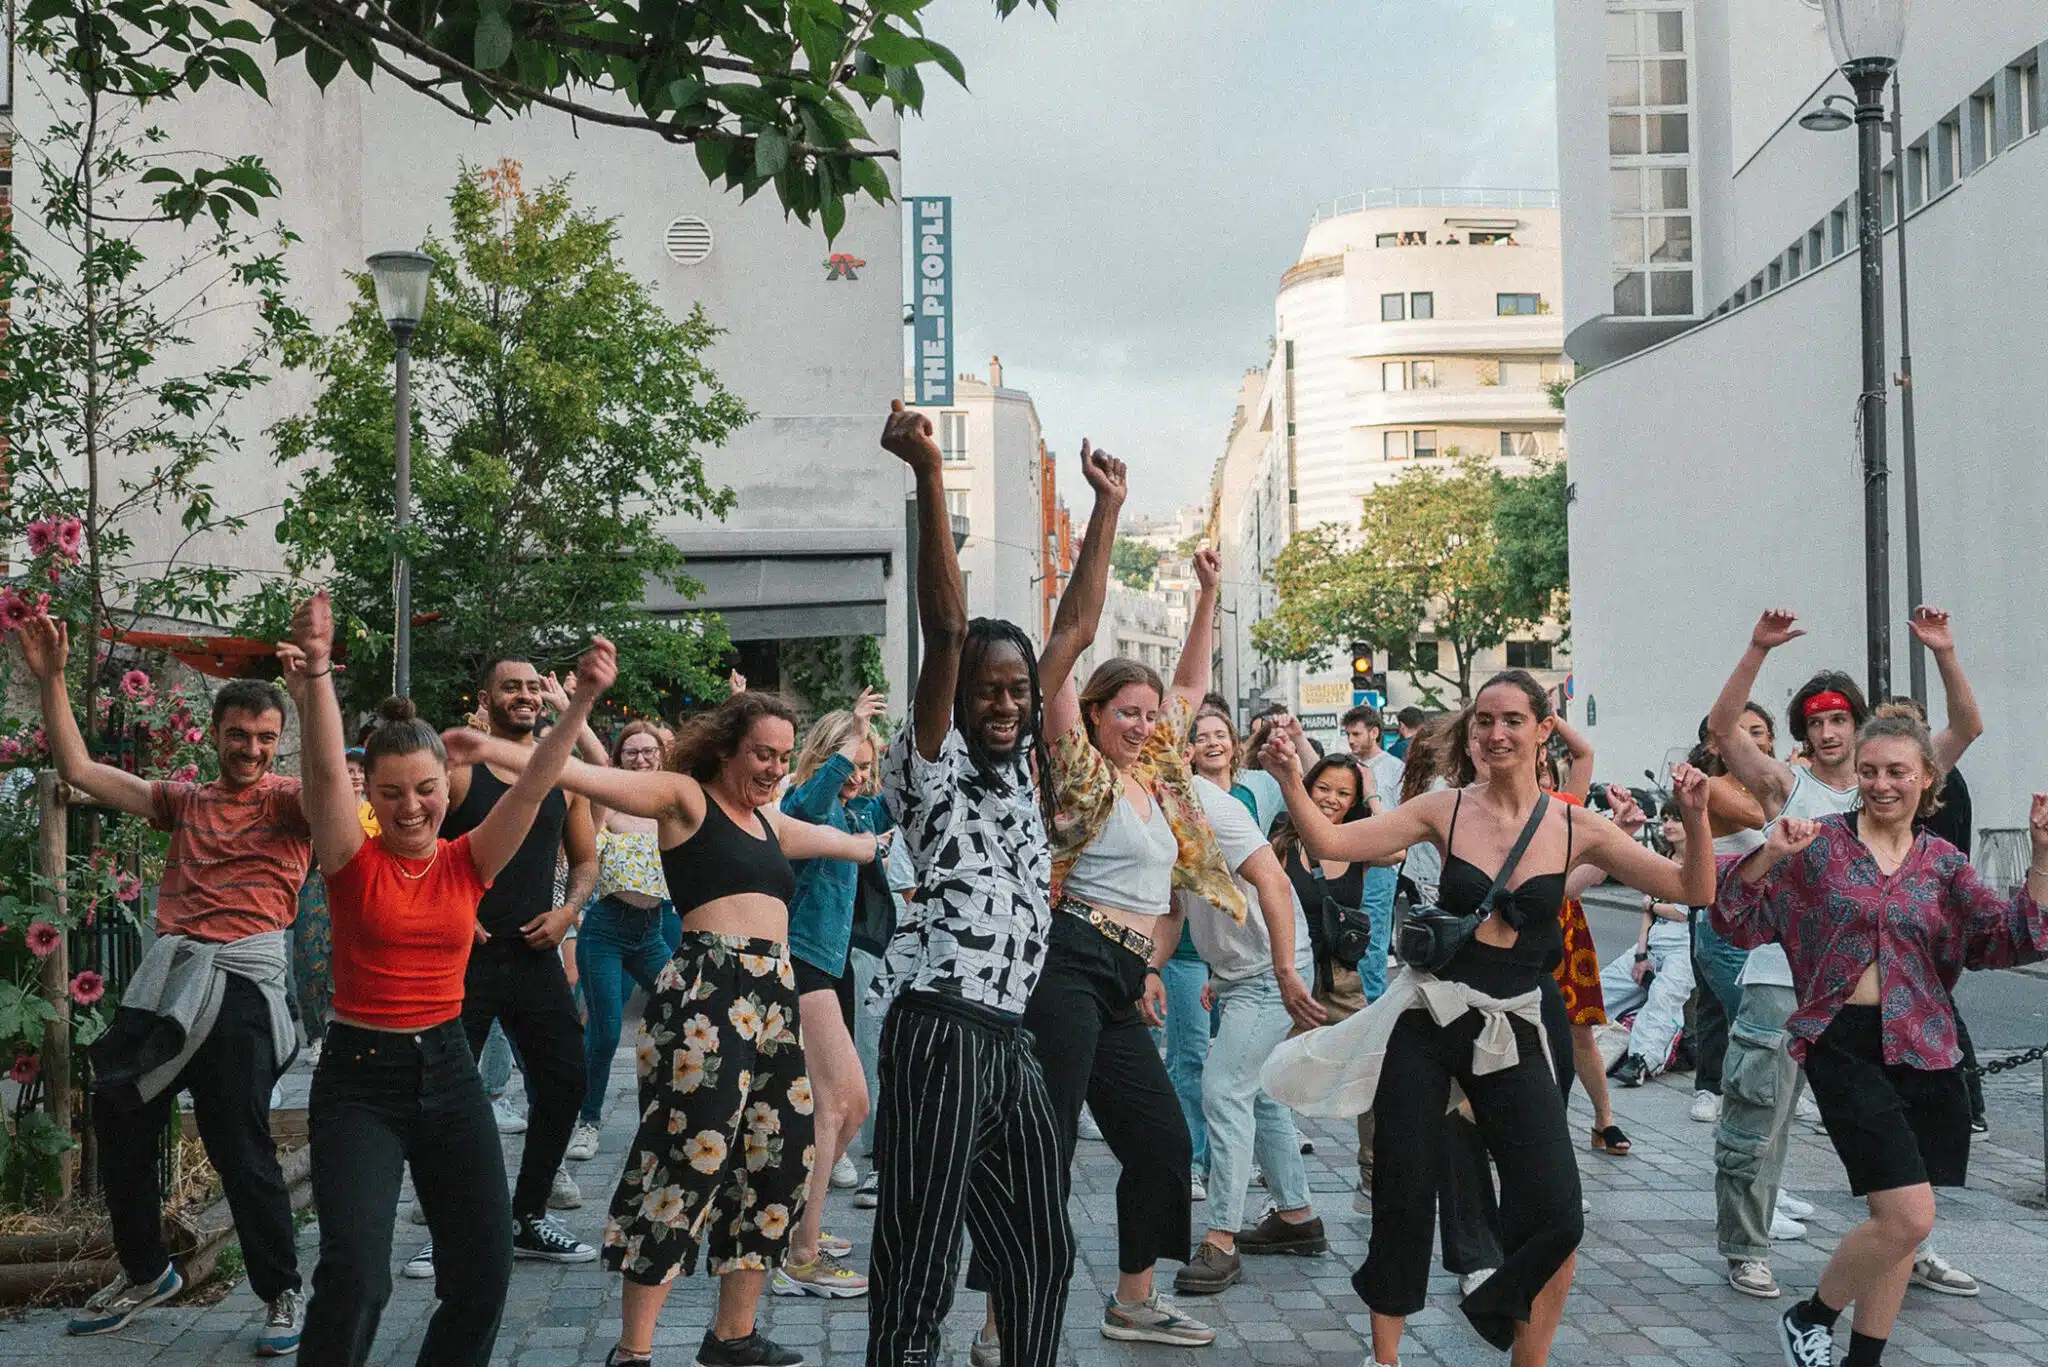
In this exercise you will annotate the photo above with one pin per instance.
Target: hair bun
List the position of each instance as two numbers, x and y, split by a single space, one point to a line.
397 709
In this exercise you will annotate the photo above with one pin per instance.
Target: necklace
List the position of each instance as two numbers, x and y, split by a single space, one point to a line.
404 873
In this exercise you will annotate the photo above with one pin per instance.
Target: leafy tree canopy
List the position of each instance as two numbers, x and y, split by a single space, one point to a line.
558 418
1535 550
768 92
1134 562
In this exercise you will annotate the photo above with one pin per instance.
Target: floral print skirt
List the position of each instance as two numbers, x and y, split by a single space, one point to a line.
724 1150
1578 972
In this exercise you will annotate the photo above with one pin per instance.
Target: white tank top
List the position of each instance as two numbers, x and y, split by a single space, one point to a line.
1809 800
1130 864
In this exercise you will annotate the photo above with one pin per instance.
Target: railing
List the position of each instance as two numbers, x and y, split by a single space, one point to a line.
1435 197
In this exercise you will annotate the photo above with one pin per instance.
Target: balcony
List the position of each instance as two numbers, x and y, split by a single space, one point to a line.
1435 197
1482 406
961 530
1540 334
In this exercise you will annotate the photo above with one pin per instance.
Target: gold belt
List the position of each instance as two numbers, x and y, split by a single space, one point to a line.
1116 932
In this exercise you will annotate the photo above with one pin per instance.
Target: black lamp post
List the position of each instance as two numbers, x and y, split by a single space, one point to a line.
401 279
1867 36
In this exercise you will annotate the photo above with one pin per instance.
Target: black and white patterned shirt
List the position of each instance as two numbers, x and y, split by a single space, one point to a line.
979 926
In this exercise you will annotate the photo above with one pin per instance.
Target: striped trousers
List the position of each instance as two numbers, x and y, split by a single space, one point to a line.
964 1136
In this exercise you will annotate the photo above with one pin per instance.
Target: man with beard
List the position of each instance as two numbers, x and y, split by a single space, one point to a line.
515 975
965 1132
206 1009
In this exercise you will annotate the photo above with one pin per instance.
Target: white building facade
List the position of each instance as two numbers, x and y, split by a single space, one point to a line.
1715 454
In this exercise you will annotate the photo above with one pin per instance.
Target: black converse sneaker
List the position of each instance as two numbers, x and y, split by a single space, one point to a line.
755 1350
543 1237
1805 1345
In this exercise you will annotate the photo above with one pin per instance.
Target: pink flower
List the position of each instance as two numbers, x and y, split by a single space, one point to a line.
194 736
128 887
25 1068
55 576
87 988
15 611
135 684
42 536
10 749
70 535
38 740
43 939
185 773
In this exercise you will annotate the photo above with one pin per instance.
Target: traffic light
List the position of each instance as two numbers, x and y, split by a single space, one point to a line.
1361 665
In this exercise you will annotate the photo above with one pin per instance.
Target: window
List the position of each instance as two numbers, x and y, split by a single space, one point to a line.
953 438
1518 445
1948 151
1423 656
1422 374
1528 654
1485 237
1916 175
956 502
1650 156
1772 277
1517 305
1422 304
1984 133
1793 261
1393 376
2027 97
1888 193
1816 245
1395 445
1391 308
1838 231
1387 240
1425 444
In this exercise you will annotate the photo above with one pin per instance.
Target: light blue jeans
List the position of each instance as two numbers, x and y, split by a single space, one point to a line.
1243 1122
867 1042
1379 906
617 942
1187 1045
495 1064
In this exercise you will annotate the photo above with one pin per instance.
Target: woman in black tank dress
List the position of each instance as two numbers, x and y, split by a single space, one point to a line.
723 1153
1519 1109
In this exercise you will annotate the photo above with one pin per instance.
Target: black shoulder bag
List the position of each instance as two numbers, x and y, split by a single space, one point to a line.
1347 931
1430 937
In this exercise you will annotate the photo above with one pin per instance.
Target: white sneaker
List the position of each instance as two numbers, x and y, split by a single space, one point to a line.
1087 1128
1937 1273
985 1352
312 1053
868 1194
1361 1199
564 1194
1793 1206
1472 1281
1706 1108
1807 1109
1752 1277
509 1120
1784 1228
582 1142
1196 1191
421 1265
844 1173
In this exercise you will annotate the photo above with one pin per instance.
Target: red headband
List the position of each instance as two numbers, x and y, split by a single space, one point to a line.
1829 701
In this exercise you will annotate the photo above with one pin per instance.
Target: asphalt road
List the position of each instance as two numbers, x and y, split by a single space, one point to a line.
2007 1011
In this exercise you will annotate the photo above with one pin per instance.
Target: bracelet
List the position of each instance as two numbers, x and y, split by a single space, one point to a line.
1642 958
323 673
2033 872
1155 972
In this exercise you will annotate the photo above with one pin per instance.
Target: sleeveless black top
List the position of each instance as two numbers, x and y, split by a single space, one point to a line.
721 860
525 887
1534 908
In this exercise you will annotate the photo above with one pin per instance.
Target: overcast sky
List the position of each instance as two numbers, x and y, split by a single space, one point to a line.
1130 181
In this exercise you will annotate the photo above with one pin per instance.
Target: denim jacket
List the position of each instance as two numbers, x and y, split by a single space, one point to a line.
821 912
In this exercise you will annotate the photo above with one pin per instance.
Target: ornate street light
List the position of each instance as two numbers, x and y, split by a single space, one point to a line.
401 279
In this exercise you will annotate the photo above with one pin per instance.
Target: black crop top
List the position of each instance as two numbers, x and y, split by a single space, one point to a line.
721 860
1533 908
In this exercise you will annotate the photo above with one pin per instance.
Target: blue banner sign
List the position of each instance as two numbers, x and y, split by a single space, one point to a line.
931 232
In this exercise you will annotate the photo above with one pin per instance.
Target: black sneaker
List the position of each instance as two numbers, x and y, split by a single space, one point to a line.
544 1238
618 1357
755 1350
1805 1345
1631 1071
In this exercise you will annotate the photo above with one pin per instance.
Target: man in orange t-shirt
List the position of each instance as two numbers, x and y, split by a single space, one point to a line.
240 848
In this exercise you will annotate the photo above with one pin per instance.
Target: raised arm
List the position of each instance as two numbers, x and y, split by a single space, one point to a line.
659 793
802 840
1603 844
1743 913
1730 806
498 836
1965 723
2002 932
325 792
1768 779
814 799
1080 610
941 596
46 645
1372 840
556 692
1191 674
1580 784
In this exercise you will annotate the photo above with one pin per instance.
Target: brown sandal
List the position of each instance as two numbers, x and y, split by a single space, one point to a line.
1611 1141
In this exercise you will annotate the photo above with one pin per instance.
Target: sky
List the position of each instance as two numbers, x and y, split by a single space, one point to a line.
1130 181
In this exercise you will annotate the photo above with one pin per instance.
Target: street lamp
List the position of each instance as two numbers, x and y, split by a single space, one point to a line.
1867 36
401 279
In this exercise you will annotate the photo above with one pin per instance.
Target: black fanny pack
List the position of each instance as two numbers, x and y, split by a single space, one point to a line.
1347 931
1430 937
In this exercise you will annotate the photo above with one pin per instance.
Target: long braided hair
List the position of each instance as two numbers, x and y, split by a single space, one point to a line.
983 633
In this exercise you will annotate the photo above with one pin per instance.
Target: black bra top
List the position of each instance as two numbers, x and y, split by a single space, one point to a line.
1533 907
721 860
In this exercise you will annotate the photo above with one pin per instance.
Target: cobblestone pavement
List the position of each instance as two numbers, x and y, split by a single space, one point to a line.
1650 1291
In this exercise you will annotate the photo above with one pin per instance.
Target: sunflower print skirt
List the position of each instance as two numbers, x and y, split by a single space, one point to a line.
724 1150
1578 972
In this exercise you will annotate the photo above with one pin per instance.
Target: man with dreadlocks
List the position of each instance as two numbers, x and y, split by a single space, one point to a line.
964 1131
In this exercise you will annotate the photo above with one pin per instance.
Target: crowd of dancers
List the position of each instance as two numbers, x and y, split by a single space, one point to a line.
1086 903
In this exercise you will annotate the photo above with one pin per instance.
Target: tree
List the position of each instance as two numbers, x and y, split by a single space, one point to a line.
1427 552
1134 562
558 416
764 90
1529 527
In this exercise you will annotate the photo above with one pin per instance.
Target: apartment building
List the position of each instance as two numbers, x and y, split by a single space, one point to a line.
1711 279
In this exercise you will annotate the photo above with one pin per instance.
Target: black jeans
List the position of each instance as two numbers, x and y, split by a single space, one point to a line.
527 991
1095 1047
230 1078
382 1101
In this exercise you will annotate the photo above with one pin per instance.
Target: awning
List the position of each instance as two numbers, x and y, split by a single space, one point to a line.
222 657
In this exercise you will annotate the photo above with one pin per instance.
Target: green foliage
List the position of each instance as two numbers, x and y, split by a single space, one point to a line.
768 92
828 672
1529 527
1133 562
1428 553
558 414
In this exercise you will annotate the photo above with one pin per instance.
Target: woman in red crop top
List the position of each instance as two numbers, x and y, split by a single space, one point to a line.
396 1084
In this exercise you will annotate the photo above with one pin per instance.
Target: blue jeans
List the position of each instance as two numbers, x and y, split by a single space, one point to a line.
1720 965
1242 1121
1187 1045
617 940
495 1064
1379 906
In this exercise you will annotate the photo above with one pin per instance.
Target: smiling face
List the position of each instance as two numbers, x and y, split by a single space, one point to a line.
757 768
1334 791
1893 776
1123 724
863 768
1506 734
641 752
355 778
247 744
1210 750
999 699
409 795
512 696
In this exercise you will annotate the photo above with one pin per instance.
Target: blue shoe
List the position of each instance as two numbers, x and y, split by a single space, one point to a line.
282 1326
121 1300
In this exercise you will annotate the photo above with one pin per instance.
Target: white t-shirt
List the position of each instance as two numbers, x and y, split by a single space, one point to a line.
1809 800
1232 951
1387 773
